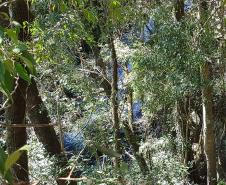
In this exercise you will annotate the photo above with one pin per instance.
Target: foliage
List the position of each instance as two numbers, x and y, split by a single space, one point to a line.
168 67
15 59
164 70
7 161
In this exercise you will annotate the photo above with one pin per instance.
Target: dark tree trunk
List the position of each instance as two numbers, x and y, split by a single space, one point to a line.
17 137
38 114
15 114
179 9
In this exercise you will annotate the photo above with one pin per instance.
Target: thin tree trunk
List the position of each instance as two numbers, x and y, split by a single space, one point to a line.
131 137
1 111
105 84
114 102
207 101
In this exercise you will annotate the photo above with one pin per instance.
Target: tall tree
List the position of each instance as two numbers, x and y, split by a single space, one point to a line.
207 101
114 101
15 114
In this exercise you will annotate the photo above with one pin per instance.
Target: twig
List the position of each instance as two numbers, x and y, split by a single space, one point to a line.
94 72
5 3
4 105
68 178
73 179
26 125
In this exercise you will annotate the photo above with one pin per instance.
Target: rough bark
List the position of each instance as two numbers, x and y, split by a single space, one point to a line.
1 111
104 83
221 169
208 125
114 102
38 114
185 131
207 101
15 114
179 9
17 137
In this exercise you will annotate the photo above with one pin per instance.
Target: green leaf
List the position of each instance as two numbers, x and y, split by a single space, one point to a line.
6 87
115 4
16 24
19 48
9 66
63 6
3 157
9 177
12 35
22 72
29 61
90 16
9 81
16 50
108 151
2 72
14 157
6 174
1 34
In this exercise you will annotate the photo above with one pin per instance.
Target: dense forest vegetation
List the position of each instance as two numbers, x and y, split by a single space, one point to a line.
112 92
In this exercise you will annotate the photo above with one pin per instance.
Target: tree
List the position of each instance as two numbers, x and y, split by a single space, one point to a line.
114 101
207 100
15 114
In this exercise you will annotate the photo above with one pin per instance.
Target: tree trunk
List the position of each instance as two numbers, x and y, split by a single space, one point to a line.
17 137
114 102
207 101
15 114
105 84
221 170
1 111
179 9
131 137
208 124
38 114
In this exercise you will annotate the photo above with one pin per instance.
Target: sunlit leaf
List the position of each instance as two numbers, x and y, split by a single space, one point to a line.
14 157
16 24
90 16
1 34
9 66
13 35
20 48
22 72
